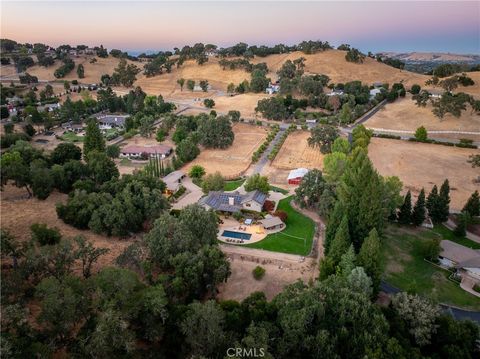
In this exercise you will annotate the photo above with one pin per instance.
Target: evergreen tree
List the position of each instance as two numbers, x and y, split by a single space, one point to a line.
93 139
347 262
369 258
362 193
464 219
405 214
472 206
444 202
418 214
334 221
341 242
432 202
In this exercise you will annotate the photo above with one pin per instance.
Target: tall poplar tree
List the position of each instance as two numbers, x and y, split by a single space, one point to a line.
93 140
473 205
361 193
369 258
341 242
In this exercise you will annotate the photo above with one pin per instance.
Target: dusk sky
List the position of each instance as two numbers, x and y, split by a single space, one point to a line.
441 26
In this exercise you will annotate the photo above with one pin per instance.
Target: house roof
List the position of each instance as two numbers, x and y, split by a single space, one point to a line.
297 173
457 253
221 201
112 119
174 176
159 149
271 222
470 263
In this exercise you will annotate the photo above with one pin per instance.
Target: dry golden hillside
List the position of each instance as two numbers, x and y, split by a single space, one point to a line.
333 64
93 72
404 114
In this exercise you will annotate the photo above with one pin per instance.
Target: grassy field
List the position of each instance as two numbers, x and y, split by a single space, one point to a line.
233 185
296 238
278 189
71 137
406 268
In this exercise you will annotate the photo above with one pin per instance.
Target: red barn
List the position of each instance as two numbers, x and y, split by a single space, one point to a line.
295 176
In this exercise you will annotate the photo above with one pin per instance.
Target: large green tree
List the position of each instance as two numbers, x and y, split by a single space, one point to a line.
93 140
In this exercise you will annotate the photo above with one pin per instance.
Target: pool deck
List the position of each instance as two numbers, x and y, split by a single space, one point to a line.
256 230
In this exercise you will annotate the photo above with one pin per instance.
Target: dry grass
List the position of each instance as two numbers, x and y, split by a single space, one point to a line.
296 153
333 64
235 159
404 114
423 165
26 211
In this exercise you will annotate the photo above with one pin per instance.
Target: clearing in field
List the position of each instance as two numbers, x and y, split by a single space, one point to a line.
423 165
233 161
404 114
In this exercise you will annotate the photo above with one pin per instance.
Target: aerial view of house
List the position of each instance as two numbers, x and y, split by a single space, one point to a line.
240 179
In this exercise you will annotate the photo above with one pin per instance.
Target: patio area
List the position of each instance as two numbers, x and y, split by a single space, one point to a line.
233 232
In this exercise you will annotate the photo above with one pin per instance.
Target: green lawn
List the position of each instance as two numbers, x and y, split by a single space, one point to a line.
278 189
233 185
446 233
71 137
296 238
406 268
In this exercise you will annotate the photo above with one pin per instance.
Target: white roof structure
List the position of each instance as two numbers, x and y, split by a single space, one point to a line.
297 173
374 92
271 222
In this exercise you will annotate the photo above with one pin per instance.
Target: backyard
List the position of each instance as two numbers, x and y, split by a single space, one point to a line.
233 185
71 137
297 237
406 268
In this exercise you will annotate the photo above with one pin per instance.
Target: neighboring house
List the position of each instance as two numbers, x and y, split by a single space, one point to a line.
272 223
335 93
211 53
173 181
464 259
374 92
295 176
74 127
377 84
107 122
234 202
137 152
272 88
49 107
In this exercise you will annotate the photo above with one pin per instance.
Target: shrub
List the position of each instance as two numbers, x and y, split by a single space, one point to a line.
44 235
421 134
196 171
268 206
431 249
281 214
258 272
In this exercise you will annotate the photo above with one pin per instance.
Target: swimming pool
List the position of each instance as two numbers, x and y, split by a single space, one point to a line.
238 235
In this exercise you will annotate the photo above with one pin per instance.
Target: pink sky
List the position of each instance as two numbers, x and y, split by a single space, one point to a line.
388 25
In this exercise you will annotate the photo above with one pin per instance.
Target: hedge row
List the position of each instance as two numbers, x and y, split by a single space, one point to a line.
271 135
462 144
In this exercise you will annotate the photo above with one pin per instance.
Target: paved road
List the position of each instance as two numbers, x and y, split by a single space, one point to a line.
264 158
457 313
193 195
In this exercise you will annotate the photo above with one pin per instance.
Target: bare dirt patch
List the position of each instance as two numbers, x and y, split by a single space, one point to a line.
233 161
403 114
241 283
423 165
19 213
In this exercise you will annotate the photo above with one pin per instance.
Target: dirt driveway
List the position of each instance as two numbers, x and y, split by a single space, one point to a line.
193 195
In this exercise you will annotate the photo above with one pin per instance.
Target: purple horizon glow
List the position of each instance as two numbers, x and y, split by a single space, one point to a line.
375 26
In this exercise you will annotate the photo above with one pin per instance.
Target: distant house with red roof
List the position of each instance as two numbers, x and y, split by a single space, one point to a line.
144 152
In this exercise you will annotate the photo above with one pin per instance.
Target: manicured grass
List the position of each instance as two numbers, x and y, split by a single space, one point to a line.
233 185
406 268
296 238
71 137
448 234
278 189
